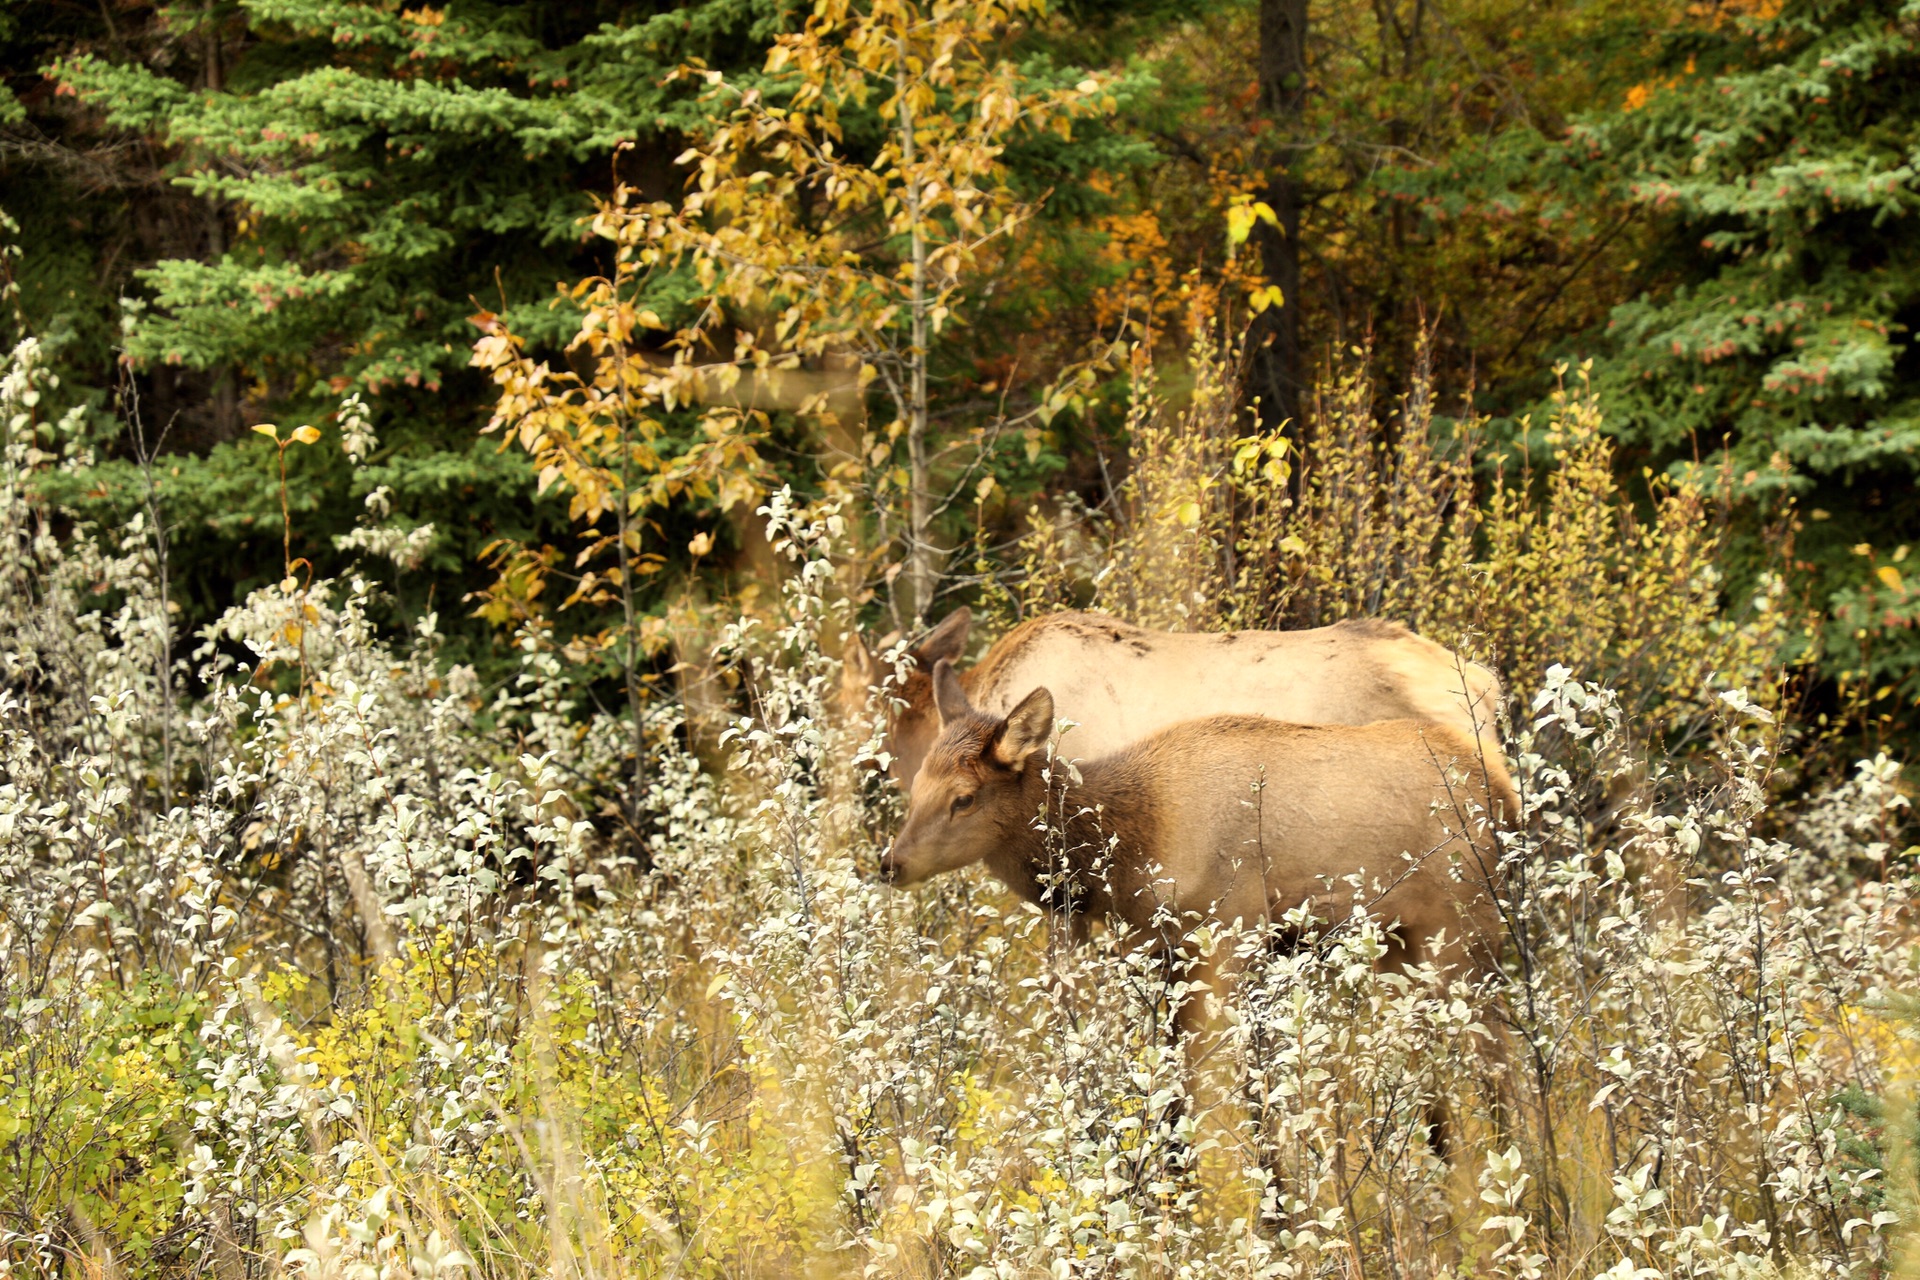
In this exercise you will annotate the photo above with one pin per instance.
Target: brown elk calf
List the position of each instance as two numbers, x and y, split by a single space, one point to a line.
1171 828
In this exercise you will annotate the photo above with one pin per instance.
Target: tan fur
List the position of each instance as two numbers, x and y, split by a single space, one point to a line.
1402 809
1120 683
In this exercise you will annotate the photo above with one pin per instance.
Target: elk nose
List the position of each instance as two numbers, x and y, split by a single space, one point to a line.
889 866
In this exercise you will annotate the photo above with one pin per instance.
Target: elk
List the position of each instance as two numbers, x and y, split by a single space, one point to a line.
1119 683
1170 828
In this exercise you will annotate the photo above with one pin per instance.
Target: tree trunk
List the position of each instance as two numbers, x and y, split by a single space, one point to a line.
923 559
1277 372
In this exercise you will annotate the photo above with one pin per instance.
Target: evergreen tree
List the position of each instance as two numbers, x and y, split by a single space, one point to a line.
384 167
340 182
1778 160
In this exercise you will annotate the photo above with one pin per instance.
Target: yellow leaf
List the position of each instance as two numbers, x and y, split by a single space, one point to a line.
1239 224
306 435
1891 576
701 544
267 429
1188 514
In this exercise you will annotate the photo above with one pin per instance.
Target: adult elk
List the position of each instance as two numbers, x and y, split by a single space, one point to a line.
1223 818
1118 683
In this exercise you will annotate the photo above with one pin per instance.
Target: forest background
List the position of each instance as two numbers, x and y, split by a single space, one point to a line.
309 212
451 452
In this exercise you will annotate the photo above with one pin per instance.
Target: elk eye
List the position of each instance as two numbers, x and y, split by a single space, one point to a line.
960 805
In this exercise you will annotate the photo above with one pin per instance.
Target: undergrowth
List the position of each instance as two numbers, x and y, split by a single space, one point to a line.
328 970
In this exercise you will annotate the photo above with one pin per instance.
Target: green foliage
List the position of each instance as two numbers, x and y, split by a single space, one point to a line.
94 1119
1433 195
337 183
1776 163
383 169
369 177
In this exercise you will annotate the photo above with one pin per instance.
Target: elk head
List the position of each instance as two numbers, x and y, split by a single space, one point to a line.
969 797
912 728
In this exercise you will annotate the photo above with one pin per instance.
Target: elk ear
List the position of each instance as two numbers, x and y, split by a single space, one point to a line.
946 641
1025 730
949 698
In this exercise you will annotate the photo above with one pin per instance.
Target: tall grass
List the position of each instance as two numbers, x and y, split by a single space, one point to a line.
343 984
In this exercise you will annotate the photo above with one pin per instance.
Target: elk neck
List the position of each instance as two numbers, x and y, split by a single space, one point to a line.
1097 832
